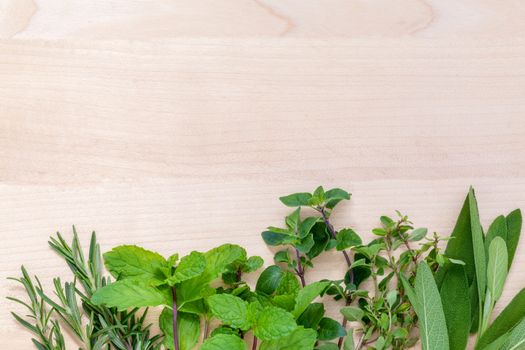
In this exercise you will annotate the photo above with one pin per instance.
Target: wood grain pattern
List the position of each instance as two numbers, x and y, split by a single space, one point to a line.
177 124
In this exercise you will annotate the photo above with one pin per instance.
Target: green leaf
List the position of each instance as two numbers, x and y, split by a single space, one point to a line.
306 226
269 280
497 267
349 341
130 293
480 261
352 313
292 220
327 346
433 328
188 329
296 199
334 196
223 342
347 238
274 323
516 339
307 295
507 319
276 238
217 260
299 339
498 228
418 234
330 329
456 306
253 264
514 221
321 238
288 285
132 261
190 266
311 317
231 310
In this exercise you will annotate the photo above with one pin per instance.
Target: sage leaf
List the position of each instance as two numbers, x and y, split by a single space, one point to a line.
516 339
432 327
497 267
514 222
456 306
498 228
506 320
223 342
299 339
479 248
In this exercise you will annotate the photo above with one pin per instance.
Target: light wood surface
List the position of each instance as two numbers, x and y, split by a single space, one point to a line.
177 124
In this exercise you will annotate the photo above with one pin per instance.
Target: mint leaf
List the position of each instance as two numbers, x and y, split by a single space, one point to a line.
276 238
130 293
269 280
190 266
299 339
273 323
311 317
224 342
132 261
252 264
231 310
217 259
188 329
307 295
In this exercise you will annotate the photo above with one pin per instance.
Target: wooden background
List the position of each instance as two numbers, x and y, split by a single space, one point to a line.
176 124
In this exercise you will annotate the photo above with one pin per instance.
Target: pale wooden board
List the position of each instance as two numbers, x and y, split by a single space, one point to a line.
176 127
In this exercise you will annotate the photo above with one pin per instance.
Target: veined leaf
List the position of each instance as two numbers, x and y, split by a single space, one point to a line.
296 199
497 267
190 266
507 319
516 339
130 293
127 261
299 339
432 327
273 323
224 342
456 306
231 310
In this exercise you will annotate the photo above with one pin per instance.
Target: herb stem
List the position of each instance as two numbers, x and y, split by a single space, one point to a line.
333 233
300 269
175 332
345 322
254 344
